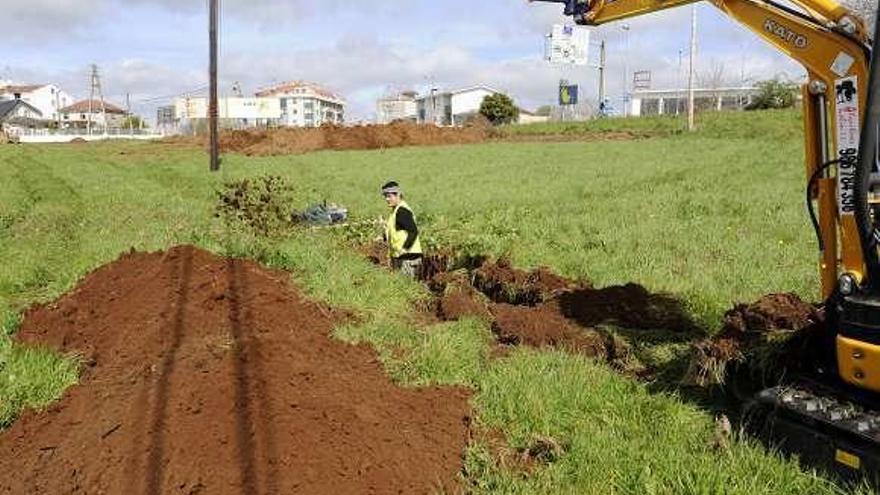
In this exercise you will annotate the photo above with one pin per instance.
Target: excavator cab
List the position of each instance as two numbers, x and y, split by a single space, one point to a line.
829 411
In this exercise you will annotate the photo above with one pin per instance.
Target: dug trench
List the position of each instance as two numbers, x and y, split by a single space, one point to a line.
206 375
541 309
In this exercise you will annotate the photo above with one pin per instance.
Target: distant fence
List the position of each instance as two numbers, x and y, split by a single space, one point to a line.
68 135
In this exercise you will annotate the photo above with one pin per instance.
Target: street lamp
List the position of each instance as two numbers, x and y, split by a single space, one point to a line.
625 28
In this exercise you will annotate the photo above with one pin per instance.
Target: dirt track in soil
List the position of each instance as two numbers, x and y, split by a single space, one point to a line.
206 375
295 141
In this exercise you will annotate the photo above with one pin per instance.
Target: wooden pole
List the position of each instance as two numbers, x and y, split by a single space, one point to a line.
212 104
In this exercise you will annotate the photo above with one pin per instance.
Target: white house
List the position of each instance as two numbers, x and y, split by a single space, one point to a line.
305 104
234 112
401 106
47 98
527 117
675 101
16 115
451 107
81 113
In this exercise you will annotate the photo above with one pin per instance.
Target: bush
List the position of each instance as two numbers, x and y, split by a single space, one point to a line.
261 204
499 109
774 94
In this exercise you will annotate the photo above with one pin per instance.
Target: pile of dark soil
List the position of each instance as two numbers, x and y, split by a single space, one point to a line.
214 376
767 333
457 298
292 141
544 326
502 283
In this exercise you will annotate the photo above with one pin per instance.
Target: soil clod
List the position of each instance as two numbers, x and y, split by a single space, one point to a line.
503 284
544 326
768 334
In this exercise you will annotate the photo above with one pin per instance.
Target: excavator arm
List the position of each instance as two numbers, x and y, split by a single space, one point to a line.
835 414
831 44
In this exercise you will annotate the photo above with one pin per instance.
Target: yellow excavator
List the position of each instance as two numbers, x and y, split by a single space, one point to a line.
830 414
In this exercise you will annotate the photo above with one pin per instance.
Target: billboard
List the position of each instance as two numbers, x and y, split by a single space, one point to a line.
568 45
568 94
229 108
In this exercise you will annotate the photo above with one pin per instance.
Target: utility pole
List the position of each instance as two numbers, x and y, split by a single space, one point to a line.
212 104
625 28
691 123
602 74
128 113
679 85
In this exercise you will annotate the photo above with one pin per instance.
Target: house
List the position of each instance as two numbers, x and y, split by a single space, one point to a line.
47 98
675 101
305 104
401 106
233 113
451 107
17 115
527 117
96 114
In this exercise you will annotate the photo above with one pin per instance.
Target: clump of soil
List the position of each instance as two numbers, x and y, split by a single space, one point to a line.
78 140
211 375
287 141
458 299
434 265
765 332
503 284
544 326
376 252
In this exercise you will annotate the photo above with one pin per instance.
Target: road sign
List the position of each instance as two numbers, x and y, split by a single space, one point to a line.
568 94
568 45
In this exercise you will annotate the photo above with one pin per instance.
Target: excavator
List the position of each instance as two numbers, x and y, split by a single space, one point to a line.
829 413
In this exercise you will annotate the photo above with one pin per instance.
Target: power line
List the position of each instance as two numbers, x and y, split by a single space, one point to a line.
95 87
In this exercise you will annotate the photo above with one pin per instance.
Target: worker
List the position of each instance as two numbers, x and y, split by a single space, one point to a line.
401 232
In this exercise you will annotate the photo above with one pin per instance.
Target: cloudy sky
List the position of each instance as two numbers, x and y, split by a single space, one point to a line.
157 49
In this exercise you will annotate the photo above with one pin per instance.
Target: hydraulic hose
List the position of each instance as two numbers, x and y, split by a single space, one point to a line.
810 208
866 161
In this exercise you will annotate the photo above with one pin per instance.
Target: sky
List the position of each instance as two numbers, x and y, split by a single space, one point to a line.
154 50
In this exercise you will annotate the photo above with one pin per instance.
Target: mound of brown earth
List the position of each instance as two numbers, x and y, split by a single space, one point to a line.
286 141
504 284
458 299
214 376
769 330
544 326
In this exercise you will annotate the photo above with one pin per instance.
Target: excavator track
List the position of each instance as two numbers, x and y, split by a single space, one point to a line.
824 430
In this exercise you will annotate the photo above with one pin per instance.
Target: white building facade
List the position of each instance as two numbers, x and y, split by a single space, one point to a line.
306 104
49 99
451 107
401 106
675 101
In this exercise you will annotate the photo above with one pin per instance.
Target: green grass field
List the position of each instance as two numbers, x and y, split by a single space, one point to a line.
712 218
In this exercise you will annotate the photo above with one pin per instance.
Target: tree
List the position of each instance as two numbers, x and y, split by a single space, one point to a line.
499 109
774 93
133 122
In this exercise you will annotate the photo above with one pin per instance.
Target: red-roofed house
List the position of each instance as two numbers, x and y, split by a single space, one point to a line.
305 104
81 113
47 98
